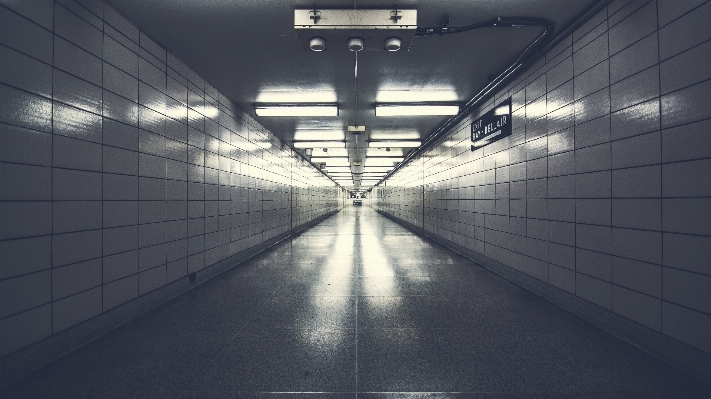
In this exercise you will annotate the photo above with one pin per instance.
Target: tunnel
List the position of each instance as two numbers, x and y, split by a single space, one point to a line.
421 199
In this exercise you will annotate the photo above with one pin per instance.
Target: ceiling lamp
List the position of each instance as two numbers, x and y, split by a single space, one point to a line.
296 109
317 44
416 109
319 144
355 44
395 144
390 26
393 44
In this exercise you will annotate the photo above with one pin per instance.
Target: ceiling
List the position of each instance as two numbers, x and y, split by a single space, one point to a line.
249 51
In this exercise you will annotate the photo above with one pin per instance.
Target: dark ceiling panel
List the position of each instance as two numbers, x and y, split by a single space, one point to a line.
249 50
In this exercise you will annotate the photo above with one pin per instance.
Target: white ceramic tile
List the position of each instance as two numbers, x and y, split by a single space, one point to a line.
36 41
638 307
686 325
24 292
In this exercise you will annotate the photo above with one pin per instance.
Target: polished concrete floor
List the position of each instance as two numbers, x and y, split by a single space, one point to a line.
357 306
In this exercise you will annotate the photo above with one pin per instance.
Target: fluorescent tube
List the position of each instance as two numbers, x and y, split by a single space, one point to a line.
296 109
416 109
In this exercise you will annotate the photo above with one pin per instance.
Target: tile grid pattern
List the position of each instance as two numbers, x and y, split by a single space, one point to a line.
602 190
357 307
122 170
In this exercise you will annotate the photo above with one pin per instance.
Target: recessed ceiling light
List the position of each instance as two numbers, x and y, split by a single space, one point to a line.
296 109
416 109
339 169
394 134
356 129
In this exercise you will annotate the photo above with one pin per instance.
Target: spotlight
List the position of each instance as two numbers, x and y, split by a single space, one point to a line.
308 152
393 44
355 44
317 43
387 149
325 150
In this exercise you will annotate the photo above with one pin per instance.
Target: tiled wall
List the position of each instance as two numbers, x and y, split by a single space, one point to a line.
604 188
122 170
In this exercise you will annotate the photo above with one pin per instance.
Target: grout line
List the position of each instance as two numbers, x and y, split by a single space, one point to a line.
103 35
609 96
51 241
661 170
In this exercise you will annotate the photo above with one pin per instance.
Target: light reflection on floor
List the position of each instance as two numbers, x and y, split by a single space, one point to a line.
357 306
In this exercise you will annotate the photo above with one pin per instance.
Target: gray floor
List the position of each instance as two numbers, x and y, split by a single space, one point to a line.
357 306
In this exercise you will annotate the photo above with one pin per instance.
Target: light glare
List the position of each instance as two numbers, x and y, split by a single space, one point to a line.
394 144
296 109
315 135
415 109
319 144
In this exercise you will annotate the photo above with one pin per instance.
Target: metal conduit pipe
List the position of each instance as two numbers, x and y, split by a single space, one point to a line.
538 48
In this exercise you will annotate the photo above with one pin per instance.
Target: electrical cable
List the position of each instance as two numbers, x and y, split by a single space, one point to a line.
528 53
508 22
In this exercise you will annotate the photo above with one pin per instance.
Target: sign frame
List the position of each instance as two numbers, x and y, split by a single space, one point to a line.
492 126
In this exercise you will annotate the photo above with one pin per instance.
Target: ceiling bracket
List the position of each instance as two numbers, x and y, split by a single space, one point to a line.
315 15
395 15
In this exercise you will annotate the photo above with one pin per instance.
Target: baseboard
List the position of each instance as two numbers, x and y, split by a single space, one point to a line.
20 363
684 358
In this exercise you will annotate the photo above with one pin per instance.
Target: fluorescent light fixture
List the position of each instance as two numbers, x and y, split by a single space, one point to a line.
391 159
331 161
384 169
317 159
319 144
394 144
429 93
277 94
385 152
338 169
395 134
315 135
304 109
382 161
416 109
